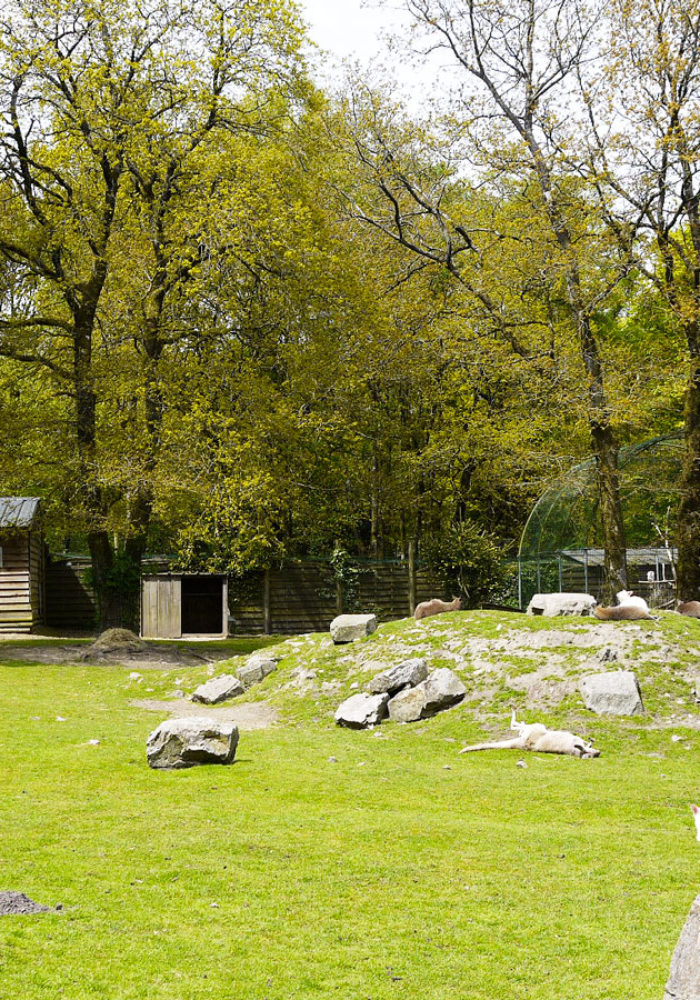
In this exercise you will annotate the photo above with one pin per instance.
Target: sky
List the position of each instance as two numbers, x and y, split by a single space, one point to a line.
348 28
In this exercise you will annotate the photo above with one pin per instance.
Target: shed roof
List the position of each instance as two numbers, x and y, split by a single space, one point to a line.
18 512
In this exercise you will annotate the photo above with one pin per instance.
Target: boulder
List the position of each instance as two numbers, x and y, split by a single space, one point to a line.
255 669
684 977
178 743
362 710
615 693
441 690
407 705
350 628
218 689
554 605
406 674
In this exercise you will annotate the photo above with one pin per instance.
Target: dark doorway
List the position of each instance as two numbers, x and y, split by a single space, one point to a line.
202 605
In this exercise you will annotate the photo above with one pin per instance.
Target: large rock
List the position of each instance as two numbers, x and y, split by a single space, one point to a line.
554 605
407 705
615 693
362 710
218 689
441 690
178 743
256 669
684 977
406 674
350 628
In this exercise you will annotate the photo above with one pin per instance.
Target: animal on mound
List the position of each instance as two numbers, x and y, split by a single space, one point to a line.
628 599
536 737
628 609
689 608
436 607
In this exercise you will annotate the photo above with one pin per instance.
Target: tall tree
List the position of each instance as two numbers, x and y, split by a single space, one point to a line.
110 110
515 72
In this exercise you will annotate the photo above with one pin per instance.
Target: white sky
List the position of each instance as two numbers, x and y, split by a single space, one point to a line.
349 28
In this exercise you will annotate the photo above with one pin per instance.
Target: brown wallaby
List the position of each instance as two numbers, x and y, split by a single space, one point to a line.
689 608
622 613
436 607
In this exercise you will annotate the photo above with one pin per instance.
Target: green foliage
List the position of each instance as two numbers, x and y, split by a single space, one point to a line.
471 556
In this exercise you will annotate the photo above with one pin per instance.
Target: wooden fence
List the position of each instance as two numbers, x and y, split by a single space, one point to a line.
300 597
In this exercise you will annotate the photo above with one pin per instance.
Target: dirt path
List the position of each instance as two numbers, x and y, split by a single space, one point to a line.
254 715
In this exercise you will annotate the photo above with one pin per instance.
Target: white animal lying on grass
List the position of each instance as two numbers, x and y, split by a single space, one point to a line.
538 738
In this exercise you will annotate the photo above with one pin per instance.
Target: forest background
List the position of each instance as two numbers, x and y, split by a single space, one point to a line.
244 320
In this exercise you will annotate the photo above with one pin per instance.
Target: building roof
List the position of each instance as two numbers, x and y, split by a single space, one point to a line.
18 512
636 557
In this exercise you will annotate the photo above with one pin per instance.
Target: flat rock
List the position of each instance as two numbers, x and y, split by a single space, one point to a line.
406 674
256 669
554 605
218 689
684 978
186 742
350 628
362 710
614 693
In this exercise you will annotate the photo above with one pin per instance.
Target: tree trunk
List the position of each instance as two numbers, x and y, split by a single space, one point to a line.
688 532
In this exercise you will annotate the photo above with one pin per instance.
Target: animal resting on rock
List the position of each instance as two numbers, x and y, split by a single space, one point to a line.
538 738
436 607
689 608
629 599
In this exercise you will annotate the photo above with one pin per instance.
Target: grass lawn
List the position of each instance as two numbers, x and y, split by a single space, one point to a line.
397 870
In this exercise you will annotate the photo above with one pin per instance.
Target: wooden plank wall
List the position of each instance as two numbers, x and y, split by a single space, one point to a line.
16 611
303 596
70 601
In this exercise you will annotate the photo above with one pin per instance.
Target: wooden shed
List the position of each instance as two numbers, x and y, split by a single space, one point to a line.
21 564
176 605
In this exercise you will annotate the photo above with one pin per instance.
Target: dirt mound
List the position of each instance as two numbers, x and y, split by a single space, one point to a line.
17 902
115 641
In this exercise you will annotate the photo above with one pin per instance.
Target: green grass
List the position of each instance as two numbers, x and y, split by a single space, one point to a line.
399 870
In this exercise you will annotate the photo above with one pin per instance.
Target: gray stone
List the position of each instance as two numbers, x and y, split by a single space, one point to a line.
615 693
178 743
554 605
362 710
350 628
255 670
408 705
406 674
441 690
218 689
684 977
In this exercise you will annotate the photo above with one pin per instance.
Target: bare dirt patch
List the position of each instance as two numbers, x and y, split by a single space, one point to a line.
254 715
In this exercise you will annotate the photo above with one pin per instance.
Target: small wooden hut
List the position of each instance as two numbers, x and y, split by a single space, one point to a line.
21 564
174 605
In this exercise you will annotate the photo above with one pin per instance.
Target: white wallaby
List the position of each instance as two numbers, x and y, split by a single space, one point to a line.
436 607
628 599
537 737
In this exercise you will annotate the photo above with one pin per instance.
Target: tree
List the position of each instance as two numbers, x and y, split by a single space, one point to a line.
516 72
111 110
